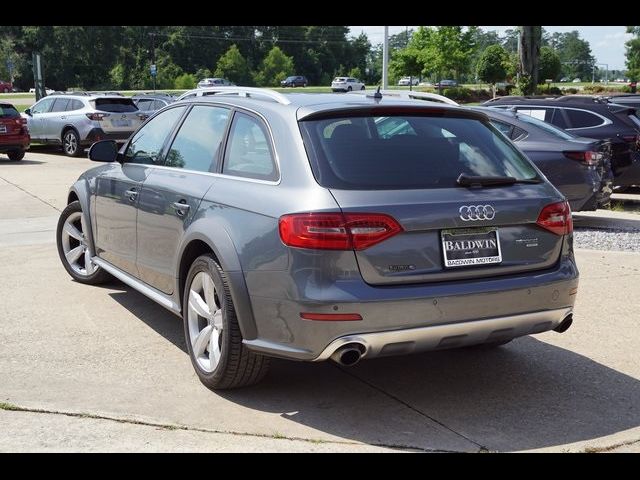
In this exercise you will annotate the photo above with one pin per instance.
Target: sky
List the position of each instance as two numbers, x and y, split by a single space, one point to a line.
607 43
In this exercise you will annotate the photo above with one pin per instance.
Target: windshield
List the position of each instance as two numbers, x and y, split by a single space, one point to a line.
408 152
547 127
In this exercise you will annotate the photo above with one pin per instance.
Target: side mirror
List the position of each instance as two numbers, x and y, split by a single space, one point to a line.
27 111
104 151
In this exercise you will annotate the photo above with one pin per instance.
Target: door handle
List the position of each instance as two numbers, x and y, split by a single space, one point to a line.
63 117
181 207
131 194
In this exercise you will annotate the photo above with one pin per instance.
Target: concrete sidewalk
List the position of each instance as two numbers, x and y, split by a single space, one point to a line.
105 369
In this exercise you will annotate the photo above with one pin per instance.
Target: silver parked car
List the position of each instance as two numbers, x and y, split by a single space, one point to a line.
307 227
346 84
214 82
76 120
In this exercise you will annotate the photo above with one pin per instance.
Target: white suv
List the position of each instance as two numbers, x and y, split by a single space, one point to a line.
406 81
346 84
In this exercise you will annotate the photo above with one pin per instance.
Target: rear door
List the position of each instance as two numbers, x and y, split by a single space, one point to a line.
449 232
55 120
170 197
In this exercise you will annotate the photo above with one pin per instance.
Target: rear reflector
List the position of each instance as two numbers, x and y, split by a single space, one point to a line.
331 317
556 218
588 158
336 231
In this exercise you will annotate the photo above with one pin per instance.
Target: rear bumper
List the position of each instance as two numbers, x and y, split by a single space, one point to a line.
414 340
97 134
22 144
541 297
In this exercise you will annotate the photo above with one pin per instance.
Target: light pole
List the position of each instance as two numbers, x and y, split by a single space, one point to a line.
385 58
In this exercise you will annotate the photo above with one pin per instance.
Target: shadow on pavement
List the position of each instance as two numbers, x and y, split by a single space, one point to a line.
4 161
526 395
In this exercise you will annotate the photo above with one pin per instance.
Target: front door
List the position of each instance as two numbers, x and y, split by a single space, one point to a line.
170 197
118 190
35 119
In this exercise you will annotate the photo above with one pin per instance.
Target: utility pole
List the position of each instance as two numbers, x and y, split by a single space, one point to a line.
385 58
154 68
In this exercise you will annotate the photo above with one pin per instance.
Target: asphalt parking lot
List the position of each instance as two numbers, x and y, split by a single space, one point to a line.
105 369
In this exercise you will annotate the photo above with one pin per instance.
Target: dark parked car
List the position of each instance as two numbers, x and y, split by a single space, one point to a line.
591 117
579 167
446 84
294 81
14 134
149 103
308 227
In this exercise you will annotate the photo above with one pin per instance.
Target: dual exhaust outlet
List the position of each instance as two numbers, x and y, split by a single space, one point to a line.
351 353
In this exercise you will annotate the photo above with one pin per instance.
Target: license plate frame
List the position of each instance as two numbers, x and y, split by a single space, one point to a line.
481 251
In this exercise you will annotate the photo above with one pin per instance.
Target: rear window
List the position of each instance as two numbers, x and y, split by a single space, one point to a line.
407 152
582 119
116 105
8 111
547 127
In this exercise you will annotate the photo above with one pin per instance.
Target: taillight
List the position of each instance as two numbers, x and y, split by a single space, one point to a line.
556 218
588 158
21 121
142 116
336 231
96 116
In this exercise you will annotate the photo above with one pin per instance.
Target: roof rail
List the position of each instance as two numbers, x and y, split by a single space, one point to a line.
245 92
433 97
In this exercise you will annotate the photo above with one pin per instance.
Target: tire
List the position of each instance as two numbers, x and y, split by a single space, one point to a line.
230 364
5 90
363 88
69 241
349 89
71 143
16 155
304 85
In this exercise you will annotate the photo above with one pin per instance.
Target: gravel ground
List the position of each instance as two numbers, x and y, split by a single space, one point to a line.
607 239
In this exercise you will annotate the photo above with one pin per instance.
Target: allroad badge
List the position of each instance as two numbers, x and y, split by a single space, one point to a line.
472 213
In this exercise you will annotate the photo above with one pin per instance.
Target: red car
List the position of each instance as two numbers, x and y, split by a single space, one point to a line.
6 87
14 133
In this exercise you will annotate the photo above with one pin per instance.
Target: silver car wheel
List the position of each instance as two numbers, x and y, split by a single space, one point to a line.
204 317
70 143
74 245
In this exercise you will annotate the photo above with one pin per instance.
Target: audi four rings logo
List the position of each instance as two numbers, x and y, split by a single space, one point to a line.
472 213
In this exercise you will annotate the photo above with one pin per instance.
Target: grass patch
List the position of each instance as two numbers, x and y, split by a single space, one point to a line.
9 406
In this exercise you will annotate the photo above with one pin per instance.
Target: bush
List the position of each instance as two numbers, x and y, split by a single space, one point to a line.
593 89
570 90
626 89
186 81
542 90
459 94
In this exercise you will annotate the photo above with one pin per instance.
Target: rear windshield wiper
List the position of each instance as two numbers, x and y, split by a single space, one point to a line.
465 180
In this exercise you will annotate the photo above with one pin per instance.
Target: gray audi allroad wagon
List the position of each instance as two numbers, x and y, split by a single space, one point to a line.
310 227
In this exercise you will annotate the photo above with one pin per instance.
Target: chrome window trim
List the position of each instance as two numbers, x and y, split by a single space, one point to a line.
605 120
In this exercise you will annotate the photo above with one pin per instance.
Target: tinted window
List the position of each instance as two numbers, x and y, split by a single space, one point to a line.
117 105
547 127
582 119
60 105
42 106
144 104
197 143
8 111
74 105
539 113
157 105
146 144
248 152
503 127
350 153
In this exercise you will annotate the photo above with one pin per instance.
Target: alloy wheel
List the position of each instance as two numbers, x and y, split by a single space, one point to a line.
204 317
74 245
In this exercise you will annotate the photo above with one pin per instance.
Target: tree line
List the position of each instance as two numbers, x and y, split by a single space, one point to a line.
119 57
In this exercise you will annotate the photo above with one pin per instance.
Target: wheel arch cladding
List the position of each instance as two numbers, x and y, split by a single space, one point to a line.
224 252
79 192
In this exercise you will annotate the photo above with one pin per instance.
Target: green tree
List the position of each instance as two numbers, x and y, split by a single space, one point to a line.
491 66
234 67
186 81
633 53
529 53
550 66
447 50
275 67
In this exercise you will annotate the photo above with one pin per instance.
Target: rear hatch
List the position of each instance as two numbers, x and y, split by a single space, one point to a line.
11 123
117 114
435 225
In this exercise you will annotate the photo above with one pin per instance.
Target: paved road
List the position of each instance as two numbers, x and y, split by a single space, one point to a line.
104 369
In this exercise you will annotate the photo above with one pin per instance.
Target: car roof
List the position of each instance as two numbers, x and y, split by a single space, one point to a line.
305 105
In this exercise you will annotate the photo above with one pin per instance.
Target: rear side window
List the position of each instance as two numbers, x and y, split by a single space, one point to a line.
115 105
197 144
582 119
60 105
407 152
8 111
503 127
74 105
248 152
